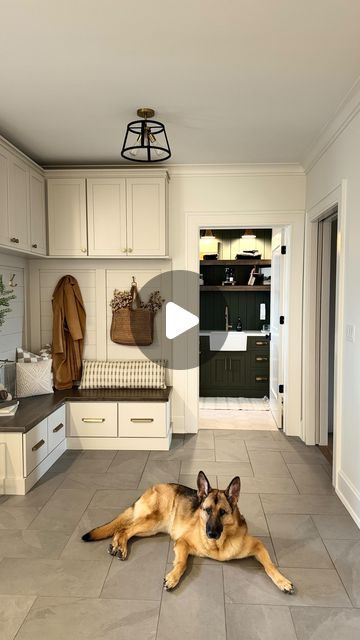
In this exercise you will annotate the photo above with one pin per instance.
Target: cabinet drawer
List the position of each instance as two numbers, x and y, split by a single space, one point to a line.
143 419
256 379
92 419
258 344
258 361
56 428
35 446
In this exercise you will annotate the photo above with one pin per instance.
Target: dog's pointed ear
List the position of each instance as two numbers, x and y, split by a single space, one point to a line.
203 485
233 491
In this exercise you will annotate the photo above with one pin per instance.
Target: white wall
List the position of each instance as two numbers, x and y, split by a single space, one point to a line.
341 161
270 192
13 331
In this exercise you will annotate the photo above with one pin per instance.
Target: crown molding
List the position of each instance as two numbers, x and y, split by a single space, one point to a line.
187 169
229 170
346 112
20 154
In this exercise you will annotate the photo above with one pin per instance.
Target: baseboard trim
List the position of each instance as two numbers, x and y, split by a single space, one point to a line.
349 496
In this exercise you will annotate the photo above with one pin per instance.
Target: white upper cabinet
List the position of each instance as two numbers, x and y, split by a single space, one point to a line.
4 180
67 217
18 203
146 217
37 213
22 203
106 205
125 216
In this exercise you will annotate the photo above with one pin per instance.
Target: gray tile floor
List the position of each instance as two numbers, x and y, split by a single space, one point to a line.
54 586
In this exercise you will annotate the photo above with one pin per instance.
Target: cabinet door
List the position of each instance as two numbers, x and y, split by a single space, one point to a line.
237 369
37 213
67 217
19 224
146 216
4 217
106 200
214 375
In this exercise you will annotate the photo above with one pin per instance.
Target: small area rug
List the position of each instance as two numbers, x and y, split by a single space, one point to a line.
236 404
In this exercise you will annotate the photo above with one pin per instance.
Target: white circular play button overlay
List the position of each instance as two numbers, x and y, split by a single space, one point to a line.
178 320
177 323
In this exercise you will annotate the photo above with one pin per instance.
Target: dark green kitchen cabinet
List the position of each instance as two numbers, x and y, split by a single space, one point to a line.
235 373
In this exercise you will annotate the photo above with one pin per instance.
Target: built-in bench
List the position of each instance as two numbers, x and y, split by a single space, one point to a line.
45 426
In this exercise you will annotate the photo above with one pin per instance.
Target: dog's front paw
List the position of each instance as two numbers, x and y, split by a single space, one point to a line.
117 552
286 586
170 581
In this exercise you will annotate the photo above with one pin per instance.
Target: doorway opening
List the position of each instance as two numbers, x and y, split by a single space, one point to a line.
241 302
326 330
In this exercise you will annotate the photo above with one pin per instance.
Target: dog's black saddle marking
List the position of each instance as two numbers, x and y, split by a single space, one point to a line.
189 494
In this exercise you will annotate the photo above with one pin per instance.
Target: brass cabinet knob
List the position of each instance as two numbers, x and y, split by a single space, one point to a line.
130 250
34 246
83 249
124 250
16 240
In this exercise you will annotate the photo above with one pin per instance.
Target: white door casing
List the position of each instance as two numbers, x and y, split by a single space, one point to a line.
276 368
293 221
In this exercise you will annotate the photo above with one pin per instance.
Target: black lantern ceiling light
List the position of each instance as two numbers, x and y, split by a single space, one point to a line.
146 140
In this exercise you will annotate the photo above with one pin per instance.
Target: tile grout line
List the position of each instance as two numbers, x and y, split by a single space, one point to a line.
142 473
223 584
162 592
23 622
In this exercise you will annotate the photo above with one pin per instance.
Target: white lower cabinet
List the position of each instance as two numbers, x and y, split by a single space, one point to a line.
25 457
92 419
56 428
143 419
35 445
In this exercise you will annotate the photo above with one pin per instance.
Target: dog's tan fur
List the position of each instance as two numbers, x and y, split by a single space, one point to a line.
190 517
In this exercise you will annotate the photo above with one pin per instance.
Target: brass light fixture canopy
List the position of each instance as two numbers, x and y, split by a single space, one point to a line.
145 112
146 139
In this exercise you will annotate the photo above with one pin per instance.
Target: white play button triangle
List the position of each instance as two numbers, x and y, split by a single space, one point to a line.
178 320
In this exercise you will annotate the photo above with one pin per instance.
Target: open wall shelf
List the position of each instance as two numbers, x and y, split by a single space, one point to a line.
234 288
239 263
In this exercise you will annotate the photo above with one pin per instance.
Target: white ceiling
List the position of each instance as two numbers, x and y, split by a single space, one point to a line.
233 81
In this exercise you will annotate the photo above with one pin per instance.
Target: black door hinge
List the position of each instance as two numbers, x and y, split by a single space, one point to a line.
283 249
282 319
281 388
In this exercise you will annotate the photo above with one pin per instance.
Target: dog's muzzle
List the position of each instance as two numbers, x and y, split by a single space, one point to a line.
213 534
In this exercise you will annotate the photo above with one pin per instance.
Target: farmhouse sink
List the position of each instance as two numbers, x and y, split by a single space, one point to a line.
228 341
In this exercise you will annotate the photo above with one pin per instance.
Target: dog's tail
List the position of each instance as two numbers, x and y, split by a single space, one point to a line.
107 530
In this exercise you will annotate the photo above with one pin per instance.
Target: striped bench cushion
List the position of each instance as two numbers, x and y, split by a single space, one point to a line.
123 374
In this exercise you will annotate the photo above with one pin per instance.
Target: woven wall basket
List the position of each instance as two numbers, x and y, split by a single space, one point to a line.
133 327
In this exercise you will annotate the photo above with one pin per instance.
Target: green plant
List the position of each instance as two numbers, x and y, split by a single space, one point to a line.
5 297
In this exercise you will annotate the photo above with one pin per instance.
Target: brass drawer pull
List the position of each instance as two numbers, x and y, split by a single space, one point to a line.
38 445
141 420
261 378
261 343
56 429
262 359
16 240
93 420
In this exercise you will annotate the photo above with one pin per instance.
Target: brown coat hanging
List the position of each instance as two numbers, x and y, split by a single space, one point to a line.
69 321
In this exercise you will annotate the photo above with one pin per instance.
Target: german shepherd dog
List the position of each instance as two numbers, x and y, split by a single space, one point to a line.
205 523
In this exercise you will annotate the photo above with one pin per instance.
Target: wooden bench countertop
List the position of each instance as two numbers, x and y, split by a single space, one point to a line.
36 408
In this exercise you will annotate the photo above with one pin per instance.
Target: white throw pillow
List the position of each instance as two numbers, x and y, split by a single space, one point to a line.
123 374
33 378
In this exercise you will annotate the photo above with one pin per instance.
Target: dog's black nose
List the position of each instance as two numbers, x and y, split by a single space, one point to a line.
215 535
